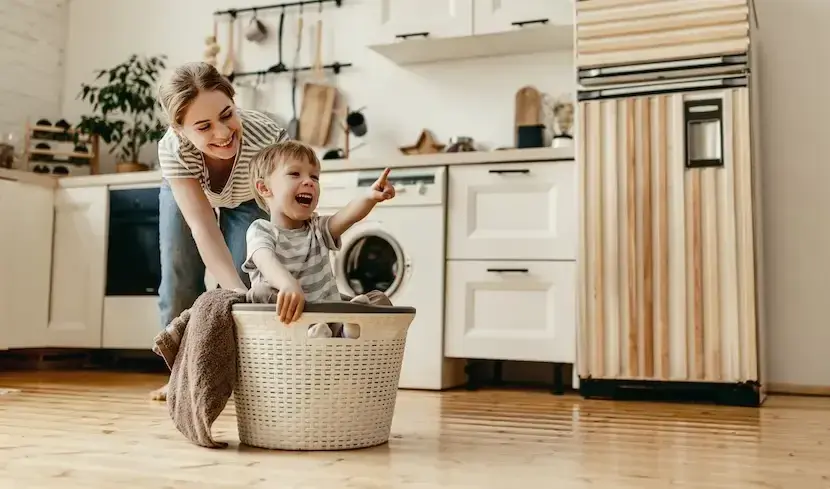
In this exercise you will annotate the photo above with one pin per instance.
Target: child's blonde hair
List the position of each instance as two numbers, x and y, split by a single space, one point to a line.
267 160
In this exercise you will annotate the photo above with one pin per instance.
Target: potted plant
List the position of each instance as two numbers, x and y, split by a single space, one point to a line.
125 108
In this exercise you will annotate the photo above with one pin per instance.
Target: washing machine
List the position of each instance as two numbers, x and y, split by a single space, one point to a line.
399 249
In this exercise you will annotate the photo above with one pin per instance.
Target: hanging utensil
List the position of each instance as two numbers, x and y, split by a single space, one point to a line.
294 124
280 66
230 60
318 100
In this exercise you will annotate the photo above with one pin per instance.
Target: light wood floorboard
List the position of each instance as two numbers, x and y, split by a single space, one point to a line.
99 430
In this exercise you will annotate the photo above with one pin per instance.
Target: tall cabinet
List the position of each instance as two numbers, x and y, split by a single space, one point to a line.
669 276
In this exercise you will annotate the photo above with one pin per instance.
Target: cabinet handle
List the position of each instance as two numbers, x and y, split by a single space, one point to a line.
508 270
522 170
522 23
413 34
704 133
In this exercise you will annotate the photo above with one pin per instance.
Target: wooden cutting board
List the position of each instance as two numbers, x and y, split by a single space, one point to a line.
528 109
318 103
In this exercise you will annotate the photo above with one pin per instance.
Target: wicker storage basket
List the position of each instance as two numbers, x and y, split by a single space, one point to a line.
300 393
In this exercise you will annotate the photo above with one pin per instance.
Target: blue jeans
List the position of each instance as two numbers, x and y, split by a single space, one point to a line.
182 269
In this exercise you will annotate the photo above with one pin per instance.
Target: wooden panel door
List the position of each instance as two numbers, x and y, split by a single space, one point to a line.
667 277
618 32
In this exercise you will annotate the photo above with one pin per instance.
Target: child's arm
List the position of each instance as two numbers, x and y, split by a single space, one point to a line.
360 207
262 257
290 297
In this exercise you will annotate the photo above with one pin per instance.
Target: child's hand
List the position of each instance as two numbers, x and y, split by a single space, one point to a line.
290 302
382 190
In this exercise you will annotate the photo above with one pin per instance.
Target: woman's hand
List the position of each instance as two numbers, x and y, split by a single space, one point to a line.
290 303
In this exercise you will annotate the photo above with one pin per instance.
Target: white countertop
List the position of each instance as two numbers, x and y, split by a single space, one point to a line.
439 159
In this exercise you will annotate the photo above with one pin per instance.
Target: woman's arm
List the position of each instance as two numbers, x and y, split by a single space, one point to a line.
201 218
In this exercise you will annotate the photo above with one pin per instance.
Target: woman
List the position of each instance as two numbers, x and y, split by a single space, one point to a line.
204 163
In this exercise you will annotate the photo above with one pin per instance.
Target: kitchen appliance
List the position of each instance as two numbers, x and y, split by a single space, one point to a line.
670 285
398 248
133 274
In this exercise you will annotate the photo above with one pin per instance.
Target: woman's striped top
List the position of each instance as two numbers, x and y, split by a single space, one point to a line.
179 158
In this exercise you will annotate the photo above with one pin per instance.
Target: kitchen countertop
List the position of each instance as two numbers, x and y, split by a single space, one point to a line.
439 159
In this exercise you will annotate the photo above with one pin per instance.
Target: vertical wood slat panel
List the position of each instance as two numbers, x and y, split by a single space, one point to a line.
633 369
745 238
646 240
661 268
730 324
610 229
597 302
678 255
669 250
583 330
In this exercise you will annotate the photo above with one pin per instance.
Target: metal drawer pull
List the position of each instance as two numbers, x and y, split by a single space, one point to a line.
508 270
414 34
523 23
523 170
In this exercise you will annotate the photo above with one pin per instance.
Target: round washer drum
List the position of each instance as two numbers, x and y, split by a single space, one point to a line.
370 260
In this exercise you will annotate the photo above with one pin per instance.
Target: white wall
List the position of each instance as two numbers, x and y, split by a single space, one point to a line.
795 104
471 98
32 34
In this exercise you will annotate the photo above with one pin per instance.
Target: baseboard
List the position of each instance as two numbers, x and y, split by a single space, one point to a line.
798 389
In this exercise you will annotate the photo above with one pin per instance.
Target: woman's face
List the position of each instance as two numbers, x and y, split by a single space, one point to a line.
212 124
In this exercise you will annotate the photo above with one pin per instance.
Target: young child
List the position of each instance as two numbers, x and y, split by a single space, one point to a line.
290 252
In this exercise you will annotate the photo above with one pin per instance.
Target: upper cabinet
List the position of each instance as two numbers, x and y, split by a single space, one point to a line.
420 19
424 31
492 16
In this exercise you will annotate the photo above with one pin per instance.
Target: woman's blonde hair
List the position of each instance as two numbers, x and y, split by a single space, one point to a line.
185 83
267 160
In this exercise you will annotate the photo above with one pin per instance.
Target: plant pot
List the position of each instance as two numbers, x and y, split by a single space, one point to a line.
130 166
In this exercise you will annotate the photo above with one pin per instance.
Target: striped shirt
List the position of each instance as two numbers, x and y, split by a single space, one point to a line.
179 158
304 252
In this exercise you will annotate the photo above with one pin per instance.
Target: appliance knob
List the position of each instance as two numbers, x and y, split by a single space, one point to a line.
422 188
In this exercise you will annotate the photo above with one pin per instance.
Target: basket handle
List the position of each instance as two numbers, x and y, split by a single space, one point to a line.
376 322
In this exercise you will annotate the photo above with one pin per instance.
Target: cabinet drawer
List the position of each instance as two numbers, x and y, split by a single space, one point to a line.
511 310
523 211
618 32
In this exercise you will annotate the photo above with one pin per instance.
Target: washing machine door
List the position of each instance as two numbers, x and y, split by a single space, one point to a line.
369 259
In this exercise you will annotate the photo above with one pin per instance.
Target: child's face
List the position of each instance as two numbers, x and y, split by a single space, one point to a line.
295 188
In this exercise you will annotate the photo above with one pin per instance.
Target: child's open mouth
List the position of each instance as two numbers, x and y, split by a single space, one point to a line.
304 199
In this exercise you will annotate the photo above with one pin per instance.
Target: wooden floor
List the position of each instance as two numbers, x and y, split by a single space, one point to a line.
99 430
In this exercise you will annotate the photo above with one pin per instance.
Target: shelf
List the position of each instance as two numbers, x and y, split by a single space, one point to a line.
50 152
526 40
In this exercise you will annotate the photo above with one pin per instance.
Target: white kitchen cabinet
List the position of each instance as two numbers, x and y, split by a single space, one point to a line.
504 211
511 310
404 20
493 16
25 262
79 267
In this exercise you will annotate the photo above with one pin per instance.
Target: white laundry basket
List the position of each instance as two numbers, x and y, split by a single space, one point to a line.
300 393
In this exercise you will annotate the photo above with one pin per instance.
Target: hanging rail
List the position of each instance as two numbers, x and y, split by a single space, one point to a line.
233 12
335 67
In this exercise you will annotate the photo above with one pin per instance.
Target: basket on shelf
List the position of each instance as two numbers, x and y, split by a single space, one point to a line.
300 393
